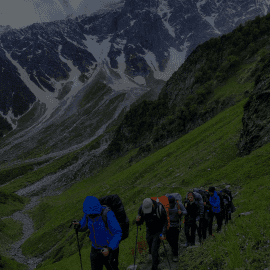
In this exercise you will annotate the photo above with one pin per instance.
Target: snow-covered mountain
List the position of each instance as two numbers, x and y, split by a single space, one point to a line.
133 47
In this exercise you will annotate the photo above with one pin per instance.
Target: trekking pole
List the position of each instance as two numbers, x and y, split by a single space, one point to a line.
166 253
79 248
78 243
136 247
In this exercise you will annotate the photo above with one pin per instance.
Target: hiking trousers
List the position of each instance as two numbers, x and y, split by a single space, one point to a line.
204 224
153 242
190 229
98 259
219 222
172 236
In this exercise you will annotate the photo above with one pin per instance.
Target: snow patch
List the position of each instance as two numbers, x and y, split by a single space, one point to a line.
125 83
99 50
9 117
211 20
46 97
73 75
139 80
175 61
164 8
76 44
132 22
199 4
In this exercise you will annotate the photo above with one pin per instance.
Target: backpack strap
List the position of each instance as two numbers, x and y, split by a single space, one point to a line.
159 206
103 215
178 205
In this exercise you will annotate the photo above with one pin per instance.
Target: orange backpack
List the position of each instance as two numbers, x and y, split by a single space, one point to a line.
165 202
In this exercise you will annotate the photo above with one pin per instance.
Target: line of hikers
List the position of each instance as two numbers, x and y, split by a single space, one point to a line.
108 223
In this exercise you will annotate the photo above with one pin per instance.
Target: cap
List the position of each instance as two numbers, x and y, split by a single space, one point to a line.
211 189
147 206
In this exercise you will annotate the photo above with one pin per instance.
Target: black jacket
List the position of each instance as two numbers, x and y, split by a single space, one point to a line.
193 211
153 223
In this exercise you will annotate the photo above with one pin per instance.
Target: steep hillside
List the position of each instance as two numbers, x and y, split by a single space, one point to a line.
216 75
206 156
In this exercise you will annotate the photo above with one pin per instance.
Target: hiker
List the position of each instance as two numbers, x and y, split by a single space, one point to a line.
155 226
230 206
105 243
176 210
198 197
207 211
193 216
226 201
217 205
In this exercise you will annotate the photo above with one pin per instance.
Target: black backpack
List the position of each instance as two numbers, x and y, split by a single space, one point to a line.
114 203
204 193
228 192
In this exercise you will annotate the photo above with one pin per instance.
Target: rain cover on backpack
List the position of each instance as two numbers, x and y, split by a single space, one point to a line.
165 202
177 196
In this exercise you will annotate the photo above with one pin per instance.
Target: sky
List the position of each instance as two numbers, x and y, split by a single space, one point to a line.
21 13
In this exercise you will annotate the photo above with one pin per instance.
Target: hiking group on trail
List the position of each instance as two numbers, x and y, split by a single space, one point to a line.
108 223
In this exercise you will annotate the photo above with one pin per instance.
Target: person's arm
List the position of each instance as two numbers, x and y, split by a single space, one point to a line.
164 220
115 229
182 208
83 224
140 217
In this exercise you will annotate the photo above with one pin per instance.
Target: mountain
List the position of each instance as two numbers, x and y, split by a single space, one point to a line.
191 96
133 47
208 126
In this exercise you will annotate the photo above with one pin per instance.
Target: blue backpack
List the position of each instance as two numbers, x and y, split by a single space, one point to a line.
215 202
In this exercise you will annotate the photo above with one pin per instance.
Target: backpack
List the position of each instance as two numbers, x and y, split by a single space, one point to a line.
178 198
203 193
228 192
163 202
198 197
114 203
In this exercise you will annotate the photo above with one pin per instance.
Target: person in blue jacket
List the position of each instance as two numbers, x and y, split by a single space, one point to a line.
217 204
105 243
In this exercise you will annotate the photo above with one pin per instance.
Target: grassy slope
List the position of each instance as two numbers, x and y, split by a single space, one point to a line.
205 156
10 232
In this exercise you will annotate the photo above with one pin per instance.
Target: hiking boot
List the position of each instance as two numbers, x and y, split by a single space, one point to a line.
175 258
150 257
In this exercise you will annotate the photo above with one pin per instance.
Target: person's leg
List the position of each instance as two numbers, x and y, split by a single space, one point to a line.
199 229
204 228
187 232
149 239
193 232
210 224
155 246
111 261
226 214
174 236
97 259
219 221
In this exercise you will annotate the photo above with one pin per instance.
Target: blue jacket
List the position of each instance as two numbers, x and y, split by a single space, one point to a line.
215 202
99 235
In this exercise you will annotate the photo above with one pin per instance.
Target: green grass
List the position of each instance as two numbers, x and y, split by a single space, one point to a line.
11 264
10 232
205 156
11 203
11 229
